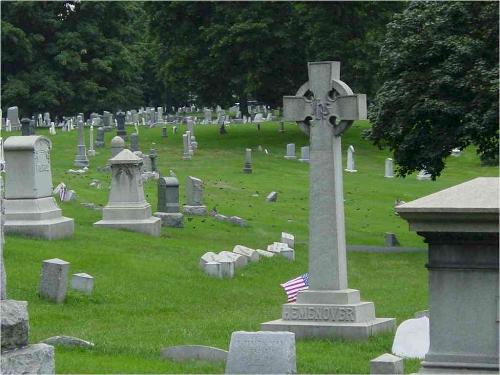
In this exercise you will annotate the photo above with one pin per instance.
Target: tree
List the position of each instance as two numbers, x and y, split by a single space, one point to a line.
440 66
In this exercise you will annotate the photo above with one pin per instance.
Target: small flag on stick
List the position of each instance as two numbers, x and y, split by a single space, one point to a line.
294 286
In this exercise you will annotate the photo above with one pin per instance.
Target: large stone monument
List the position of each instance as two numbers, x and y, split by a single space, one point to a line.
325 107
30 208
127 208
460 226
168 202
81 159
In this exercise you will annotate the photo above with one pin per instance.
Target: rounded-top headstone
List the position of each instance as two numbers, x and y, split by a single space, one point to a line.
117 142
170 181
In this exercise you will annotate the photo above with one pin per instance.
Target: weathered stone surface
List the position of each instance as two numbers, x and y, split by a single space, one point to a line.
289 239
194 352
420 314
54 279
264 253
194 191
213 269
282 249
412 338
32 359
261 353
251 254
15 324
272 197
69 341
209 256
82 282
387 364
236 220
239 260
195 210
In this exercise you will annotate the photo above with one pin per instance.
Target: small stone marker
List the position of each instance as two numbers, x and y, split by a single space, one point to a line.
456 152
251 254
209 256
194 197
99 141
54 279
387 364
389 169
289 239
290 151
168 202
265 254
412 338
423 175
239 260
134 142
248 161
82 282
127 207
304 154
213 269
25 127
350 160
272 197
391 240
261 353
282 249
194 352
68 341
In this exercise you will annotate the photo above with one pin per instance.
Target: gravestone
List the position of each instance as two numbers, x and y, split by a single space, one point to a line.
289 239
127 207
247 168
194 197
350 160
81 159
272 197
168 202
117 145
460 226
99 142
82 282
107 121
304 154
164 132
290 151
329 308
54 280
13 117
185 141
389 169
282 127
46 119
134 142
190 143
190 125
26 126
120 125
30 208
423 175
152 156
91 151
194 144
261 353
387 364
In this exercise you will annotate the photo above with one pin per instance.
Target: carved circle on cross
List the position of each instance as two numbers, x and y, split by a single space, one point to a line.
339 88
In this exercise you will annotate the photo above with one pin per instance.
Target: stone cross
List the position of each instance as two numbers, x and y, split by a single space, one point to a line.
328 113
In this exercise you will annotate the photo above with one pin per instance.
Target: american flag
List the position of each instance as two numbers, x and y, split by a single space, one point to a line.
294 286
62 192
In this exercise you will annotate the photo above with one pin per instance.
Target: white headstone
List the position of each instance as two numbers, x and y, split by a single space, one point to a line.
389 170
350 160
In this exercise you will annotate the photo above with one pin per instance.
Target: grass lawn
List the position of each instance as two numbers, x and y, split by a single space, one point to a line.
149 292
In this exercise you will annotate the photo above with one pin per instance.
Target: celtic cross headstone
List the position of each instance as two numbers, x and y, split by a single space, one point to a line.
325 107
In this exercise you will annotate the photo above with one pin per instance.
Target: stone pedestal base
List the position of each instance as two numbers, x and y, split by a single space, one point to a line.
171 219
81 161
330 314
136 218
247 168
456 368
195 210
304 160
32 359
290 157
39 218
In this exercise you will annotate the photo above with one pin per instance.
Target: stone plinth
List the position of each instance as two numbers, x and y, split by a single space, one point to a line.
127 208
460 225
30 208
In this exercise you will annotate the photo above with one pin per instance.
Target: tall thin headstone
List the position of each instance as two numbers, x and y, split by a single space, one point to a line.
329 308
350 160
120 125
248 161
99 142
81 159
91 151
134 142
185 141
389 172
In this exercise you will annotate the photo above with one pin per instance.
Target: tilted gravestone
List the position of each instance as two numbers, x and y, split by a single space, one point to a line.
168 202
127 207
185 141
194 197
261 353
328 308
30 208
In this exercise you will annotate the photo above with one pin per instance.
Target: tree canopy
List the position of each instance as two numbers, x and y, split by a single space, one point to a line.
439 64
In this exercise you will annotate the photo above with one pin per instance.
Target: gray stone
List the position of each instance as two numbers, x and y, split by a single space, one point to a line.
209 256
290 151
134 142
213 269
265 254
227 266
13 117
195 210
220 217
26 127
15 324
120 125
272 197
68 341
30 208
99 142
54 280
236 220
289 239
194 352
424 176
282 249
117 146
32 359
186 142
350 160
82 282
391 240
412 338
460 225
389 169
194 197
328 308
164 132
387 364
239 260
304 154
127 207
248 161
251 254
420 314
261 353
81 159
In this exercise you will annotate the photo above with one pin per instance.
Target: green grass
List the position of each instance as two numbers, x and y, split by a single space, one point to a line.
149 292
